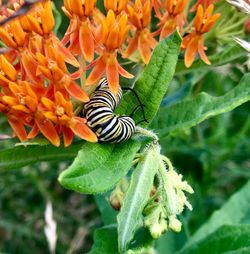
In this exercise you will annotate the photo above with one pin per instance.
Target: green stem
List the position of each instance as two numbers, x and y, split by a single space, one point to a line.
144 132
82 65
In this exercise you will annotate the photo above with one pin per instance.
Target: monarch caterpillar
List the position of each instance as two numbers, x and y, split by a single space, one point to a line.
99 112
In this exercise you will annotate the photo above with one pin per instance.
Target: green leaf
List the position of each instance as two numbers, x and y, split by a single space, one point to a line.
167 243
98 167
227 239
153 82
105 241
191 112
136 197
142 242
227 55
108 214
235 211
184 91
20 156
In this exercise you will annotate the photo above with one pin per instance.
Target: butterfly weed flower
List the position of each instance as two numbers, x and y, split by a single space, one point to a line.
194 41
39 22
139 14
15 39
12 33
60 112
171 16
22 100
79 34
117 6
111 35
53 67
14 118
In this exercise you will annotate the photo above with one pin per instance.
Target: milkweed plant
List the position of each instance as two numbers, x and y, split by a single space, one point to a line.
54 54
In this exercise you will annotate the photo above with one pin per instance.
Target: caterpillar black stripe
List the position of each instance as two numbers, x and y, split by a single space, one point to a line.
99 112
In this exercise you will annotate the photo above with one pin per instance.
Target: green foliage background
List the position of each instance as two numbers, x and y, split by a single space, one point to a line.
209 148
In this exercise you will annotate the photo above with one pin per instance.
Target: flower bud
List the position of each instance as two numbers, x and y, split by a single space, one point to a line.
174 224
156 230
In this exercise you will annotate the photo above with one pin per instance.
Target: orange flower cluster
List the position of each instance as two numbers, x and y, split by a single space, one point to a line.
126 25
35 84
36 87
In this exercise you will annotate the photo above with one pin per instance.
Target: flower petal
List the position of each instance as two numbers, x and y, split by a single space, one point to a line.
82 130
191 51
132 46
8 68
50 116
48 130
34 132
18 129
75 91
86 41
21 108
112 73
76 7
209 24
199 18
34 25
168 28
6 38
68 136
30 65
10 100
69 58
49 104
47 18
97 72
3 81
123 72
18 32
202 52
144 49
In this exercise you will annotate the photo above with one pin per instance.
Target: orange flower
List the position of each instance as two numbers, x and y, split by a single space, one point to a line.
60 111
140 16
15 120
40 20
79 32
110 36
194 42
22 103
23 98
172 17
13 35
53 67
117 6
